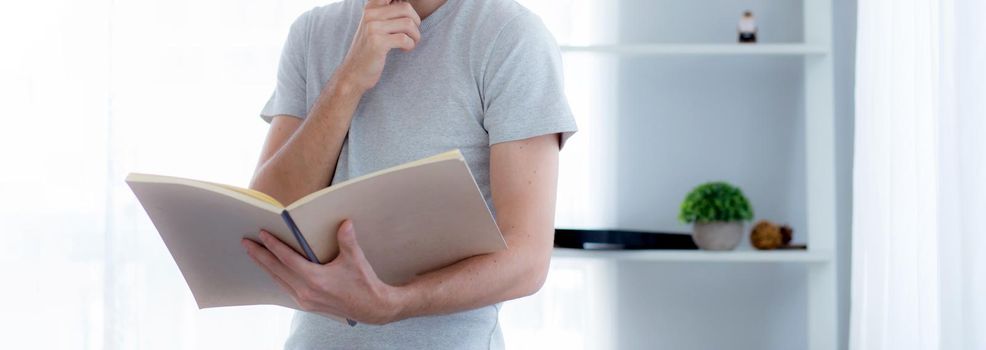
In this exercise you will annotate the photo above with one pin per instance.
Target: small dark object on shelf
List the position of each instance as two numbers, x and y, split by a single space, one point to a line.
786 234
794 247
622 240
747 28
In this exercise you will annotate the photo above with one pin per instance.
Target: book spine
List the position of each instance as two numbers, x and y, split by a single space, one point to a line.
298 237
304 246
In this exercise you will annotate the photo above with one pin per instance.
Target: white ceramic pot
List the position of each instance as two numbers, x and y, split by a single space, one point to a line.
717 235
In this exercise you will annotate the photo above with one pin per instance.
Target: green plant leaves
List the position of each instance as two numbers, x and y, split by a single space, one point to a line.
715 201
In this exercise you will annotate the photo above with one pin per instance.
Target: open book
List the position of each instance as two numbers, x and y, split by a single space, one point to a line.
409 219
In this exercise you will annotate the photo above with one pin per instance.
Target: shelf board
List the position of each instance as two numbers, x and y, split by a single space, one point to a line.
745 256
702 49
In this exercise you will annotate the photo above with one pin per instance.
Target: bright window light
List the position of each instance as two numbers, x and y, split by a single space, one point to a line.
94 90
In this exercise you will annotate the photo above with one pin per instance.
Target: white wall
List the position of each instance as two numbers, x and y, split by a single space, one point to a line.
680 121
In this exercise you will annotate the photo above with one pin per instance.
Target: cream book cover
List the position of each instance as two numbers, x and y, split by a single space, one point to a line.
409 219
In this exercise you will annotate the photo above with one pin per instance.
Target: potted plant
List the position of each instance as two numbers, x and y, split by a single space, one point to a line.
716 211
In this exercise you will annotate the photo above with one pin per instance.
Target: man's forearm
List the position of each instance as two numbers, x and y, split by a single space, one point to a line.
306 162
523 175
478 281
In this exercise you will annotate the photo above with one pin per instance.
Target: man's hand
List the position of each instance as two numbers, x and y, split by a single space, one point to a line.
523 177
384 26
300 157
346 286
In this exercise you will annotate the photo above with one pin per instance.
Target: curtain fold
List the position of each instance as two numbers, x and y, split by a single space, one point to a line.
919 179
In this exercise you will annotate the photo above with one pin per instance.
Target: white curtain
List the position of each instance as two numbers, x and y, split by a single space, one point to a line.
919 239
92 90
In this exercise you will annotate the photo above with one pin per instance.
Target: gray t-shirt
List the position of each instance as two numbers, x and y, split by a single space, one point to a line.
484 72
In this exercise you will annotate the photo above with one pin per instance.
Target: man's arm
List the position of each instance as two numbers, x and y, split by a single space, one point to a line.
523 182
299 157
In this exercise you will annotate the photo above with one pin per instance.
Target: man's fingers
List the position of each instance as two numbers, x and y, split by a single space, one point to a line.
284 253
377 3
393 11
284 285
401 41
273 266
347 240
397 26
297 288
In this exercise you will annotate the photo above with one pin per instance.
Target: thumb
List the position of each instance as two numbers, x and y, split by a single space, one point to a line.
377 3
347 239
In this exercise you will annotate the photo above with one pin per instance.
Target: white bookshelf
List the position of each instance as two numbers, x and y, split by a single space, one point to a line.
741 256
820 204
702 49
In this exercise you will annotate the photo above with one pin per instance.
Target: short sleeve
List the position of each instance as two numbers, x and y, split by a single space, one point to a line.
523 86
289 97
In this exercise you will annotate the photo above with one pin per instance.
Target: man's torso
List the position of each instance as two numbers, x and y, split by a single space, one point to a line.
428 101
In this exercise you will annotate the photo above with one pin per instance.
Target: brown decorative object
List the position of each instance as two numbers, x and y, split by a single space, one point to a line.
767 235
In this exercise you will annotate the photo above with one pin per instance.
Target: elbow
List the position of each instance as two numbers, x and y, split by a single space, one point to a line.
534 278
538 281
260 183
269 183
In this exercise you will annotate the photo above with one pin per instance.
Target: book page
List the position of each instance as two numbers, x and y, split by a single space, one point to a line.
253 193
202 229
247 195
408 221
